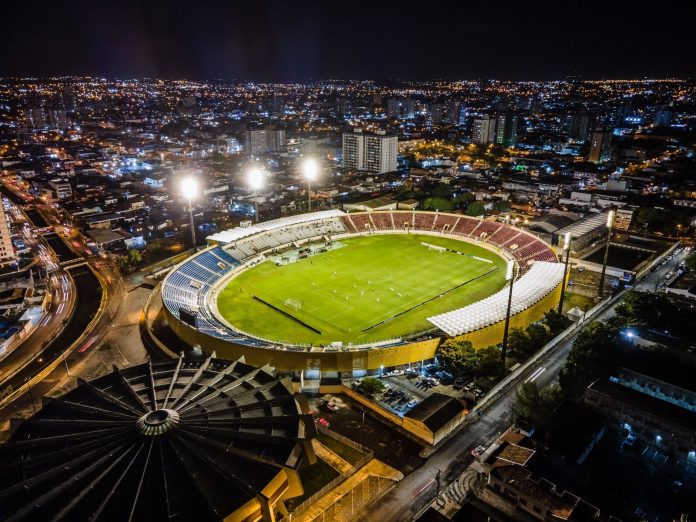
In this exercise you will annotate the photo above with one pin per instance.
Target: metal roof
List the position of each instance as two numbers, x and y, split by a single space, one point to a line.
188 439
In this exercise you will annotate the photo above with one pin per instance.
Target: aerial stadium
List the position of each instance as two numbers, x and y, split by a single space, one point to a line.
331 293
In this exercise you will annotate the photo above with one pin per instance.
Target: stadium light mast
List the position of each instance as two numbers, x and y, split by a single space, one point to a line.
510 276
610 224
189 188
255 179
566 246
310 168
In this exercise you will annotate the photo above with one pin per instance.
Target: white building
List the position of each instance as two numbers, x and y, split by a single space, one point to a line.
7 253
483 131
371 152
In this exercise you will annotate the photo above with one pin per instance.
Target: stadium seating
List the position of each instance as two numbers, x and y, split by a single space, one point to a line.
188 286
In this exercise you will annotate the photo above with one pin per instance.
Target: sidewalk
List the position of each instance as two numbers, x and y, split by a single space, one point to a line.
333 460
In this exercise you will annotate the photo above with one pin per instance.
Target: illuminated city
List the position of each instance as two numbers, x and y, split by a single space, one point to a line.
286 262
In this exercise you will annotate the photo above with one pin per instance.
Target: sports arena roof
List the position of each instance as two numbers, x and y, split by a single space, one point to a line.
584 226
541 279
234 234
188 439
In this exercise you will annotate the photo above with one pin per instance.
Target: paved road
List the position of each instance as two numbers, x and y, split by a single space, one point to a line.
419 488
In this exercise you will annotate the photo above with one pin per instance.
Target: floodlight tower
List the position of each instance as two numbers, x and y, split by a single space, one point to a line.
189 188
566 247
310 167
255 179
510 276
610 224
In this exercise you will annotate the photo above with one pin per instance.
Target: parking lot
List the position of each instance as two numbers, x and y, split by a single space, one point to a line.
351 420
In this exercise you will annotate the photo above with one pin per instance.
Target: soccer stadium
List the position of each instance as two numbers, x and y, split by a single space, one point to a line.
329 292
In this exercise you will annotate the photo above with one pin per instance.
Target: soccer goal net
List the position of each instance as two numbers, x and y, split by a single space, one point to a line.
434 247
293 303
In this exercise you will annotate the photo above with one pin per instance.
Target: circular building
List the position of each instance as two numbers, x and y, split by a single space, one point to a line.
331 293
188 439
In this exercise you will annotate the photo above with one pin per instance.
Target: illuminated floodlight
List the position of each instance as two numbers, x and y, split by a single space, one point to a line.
189 187
610 218
566 244
310 169
255 179
510 268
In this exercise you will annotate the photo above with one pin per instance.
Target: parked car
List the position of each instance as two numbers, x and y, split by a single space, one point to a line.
323 422
478 451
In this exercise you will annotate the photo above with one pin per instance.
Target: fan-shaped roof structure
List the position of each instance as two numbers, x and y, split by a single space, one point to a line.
188 439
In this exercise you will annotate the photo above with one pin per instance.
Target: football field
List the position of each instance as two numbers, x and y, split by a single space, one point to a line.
370 288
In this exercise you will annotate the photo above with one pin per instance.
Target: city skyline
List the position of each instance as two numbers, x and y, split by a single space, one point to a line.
308 40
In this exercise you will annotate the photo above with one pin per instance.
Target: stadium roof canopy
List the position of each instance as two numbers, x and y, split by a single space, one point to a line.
187 439
584 226
541 279
234 234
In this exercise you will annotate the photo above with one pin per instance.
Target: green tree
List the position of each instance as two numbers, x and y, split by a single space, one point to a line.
519 343
490 363
533 407
593 356
370 386
556 323
502 206
691 262
442 190
435 203
475 208
457 357
538 336
134 257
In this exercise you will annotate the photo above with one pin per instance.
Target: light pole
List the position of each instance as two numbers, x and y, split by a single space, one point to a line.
189 188
311 171
610 224
255 179
568 238
510 276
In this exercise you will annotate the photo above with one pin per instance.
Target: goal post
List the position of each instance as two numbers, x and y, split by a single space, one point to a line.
293 303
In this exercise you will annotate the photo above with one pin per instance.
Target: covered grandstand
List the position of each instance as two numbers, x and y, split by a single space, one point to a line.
188 439
189 290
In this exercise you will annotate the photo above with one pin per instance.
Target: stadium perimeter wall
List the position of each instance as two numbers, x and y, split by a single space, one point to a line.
369 359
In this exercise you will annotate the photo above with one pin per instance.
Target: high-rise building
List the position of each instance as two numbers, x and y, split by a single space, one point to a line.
600 146
483 131
663 117
578 125
264 141
506 130
7 253
437 112
401 108
58 118
371 152
36 117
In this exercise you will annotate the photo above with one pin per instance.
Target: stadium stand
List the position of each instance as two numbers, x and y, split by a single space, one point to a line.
188 286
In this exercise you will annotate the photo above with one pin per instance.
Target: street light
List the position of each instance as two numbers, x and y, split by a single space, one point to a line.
566 246
255 179
189 188
610 224
311 171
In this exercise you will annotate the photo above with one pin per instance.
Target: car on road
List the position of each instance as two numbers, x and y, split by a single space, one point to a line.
478 451
323 422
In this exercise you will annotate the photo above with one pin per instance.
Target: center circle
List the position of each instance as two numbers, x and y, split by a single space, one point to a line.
157 417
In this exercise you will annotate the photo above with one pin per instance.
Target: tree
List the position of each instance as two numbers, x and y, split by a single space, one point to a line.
435 203
490 362
592 357
519 342
556 323
457 357
370 386
502 206
475 208
134 257
538 336
690 262
533 407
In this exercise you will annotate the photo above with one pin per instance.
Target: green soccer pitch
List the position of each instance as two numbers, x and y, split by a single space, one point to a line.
370 289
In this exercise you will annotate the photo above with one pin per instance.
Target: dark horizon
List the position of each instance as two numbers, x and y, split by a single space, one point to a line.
311 40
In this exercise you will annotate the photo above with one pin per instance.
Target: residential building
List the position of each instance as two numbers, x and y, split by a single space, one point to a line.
506 130
7 253
483 131
265 141
371 152
600 146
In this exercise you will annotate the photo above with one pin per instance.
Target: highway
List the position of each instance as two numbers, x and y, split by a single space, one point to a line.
410 496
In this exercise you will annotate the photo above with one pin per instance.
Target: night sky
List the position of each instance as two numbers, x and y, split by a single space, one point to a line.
349 39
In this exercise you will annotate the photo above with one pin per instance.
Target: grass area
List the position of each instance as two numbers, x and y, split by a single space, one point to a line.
313 478
570 301
372 288
350 455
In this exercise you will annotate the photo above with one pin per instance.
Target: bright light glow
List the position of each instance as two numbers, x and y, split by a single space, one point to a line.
509 271
567 241
189 187
658 438
255 178
311 169
610 219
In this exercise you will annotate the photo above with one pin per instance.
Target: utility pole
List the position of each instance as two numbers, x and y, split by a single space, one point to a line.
565 273
610 223
511 276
